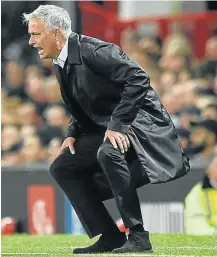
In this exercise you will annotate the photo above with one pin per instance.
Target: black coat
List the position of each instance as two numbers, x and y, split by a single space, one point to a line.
106 88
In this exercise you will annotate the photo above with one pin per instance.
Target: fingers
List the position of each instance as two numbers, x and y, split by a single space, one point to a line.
61 149
118 140
127 140
125 145
71 148
120 144
68 142
112 140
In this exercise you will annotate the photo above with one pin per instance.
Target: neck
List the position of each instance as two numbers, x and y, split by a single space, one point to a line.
60 46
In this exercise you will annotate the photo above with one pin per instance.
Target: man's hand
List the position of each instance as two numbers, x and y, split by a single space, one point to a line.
68 142
118 140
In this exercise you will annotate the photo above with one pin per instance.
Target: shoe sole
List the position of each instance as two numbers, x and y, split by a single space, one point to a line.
94 252
145 251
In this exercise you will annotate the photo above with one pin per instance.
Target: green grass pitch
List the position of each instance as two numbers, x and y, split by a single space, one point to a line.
164 245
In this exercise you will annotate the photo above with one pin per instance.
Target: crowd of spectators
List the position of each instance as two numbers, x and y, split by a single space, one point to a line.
34 118
186 86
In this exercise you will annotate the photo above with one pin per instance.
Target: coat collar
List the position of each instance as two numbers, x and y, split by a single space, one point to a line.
74 56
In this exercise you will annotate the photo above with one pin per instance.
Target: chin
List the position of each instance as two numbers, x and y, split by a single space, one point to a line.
42 57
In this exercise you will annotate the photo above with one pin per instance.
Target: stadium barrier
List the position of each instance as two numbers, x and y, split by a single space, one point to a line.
31 196
197 25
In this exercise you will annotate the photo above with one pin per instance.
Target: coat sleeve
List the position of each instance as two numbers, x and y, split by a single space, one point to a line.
73 129
109 60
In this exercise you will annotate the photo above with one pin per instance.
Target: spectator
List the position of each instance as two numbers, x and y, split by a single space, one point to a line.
203 102
32 70
208 69
141 58
35 88
129 41
47 133
27 130
56 116
172 105
53 148
47 67
11 157
201 204
32 150
168 80
14 83
52 91
210 112
203 141
176 56
27 115
151 46
184 135
187 115
10 138
9 108
184 94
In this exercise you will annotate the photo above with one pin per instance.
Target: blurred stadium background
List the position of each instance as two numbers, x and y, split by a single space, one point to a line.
176 43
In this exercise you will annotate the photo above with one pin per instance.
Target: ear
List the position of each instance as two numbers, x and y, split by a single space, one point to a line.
57 34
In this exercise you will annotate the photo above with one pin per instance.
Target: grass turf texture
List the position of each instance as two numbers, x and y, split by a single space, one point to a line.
164 245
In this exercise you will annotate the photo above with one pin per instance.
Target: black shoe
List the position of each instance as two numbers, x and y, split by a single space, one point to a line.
136 243
104 244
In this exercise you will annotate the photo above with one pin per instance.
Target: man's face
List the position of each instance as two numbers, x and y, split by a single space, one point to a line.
27 115
209 113
31 149
56 117
42 39
198 136
172 63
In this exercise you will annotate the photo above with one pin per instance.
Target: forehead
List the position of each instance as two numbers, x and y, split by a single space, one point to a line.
199 130
36 25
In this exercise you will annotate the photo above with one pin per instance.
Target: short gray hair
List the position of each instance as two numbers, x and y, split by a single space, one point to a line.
53 16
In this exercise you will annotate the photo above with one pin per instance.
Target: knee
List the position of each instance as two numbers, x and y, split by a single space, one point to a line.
105 152
55 167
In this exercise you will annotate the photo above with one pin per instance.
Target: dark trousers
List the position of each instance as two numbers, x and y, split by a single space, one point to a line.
96 172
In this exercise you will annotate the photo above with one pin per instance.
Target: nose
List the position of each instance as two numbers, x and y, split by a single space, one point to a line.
31 41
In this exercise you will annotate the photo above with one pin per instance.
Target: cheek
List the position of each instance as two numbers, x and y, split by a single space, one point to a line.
203 139
50 43
177 64
196 138
45 43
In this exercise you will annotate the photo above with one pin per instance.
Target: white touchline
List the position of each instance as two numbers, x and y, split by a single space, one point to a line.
188 247
113 254
131 255
17 254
